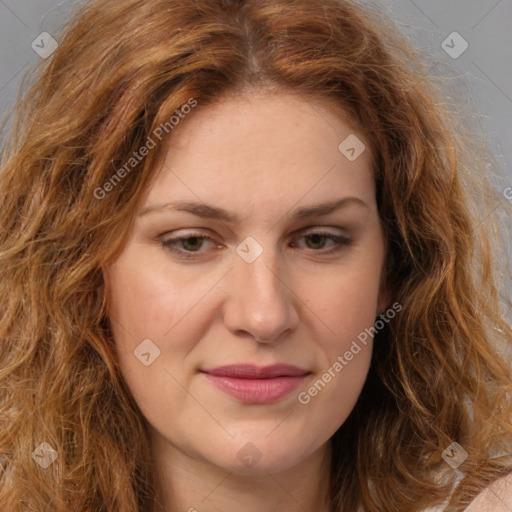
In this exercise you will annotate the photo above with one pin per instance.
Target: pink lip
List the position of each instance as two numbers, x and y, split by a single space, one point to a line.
256 385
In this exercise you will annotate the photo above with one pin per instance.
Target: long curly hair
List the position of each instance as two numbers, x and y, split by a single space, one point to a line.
122 69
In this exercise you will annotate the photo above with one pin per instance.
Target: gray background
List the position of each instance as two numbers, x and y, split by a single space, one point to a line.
484 69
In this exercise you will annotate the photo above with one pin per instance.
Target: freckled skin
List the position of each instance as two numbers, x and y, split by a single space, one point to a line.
261 158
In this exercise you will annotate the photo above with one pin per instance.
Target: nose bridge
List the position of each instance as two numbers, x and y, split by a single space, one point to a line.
261 301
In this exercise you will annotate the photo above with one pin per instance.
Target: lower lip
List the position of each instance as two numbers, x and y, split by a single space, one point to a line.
256 391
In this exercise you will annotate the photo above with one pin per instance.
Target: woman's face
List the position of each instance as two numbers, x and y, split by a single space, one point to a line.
260 272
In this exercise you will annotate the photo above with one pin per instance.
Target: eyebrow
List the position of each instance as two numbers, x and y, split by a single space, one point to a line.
207 211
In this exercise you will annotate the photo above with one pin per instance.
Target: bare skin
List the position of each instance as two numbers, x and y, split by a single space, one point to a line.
302 301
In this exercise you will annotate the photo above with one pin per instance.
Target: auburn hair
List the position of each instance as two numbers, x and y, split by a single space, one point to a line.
122 69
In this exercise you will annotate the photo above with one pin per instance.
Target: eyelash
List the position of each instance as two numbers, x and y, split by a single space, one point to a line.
170 244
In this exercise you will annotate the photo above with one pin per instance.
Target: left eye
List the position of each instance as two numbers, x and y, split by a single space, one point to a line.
319 237
187 246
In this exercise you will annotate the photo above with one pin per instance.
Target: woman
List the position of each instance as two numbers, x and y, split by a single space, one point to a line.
173 338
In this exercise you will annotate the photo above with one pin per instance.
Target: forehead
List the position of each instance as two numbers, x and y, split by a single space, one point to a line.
263 148
261 120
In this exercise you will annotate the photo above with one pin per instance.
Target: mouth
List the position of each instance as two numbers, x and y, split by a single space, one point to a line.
256 385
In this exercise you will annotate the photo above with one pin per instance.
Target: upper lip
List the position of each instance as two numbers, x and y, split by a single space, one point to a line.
249 371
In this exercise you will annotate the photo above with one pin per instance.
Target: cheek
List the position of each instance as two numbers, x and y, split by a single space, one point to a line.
344 311
147 300
146 303
346 303
348 307
152 302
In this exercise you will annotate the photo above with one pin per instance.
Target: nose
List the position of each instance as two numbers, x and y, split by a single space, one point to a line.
261 302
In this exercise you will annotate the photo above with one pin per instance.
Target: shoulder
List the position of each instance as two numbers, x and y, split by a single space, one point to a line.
495 498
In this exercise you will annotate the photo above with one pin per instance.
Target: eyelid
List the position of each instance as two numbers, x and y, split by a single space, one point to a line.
196 232
316 229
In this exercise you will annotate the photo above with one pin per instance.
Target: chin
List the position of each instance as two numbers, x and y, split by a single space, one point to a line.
262 455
